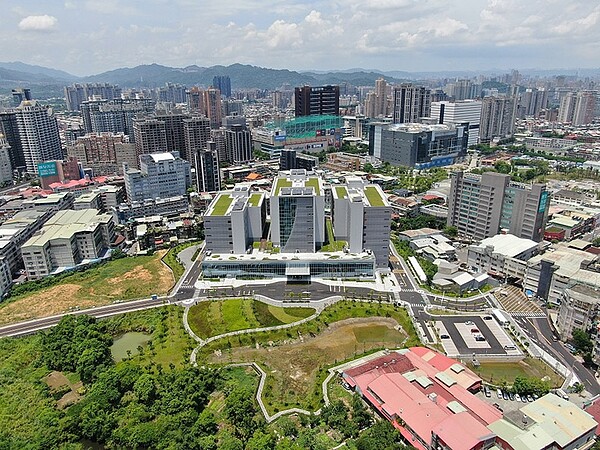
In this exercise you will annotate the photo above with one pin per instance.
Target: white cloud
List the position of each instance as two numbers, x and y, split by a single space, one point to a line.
38 23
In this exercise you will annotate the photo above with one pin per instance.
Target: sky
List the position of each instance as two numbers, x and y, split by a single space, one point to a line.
91 36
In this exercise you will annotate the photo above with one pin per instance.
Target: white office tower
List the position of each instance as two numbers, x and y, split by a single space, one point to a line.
459 112
298 212
234 220
38 131
362 217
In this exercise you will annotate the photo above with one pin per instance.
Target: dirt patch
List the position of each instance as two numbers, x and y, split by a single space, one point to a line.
139 273
56 380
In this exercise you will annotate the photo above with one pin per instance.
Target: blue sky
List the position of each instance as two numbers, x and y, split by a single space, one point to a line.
91 36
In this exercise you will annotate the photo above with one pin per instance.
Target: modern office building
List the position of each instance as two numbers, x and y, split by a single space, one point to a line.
78 93
234 220
362 217
38 132
104 153
457 113
67 239
206 163
161 175
418 145
297 212
223 84
497 118
410 103
480 206
317 100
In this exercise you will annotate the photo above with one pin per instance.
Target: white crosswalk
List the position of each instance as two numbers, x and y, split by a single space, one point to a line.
527 314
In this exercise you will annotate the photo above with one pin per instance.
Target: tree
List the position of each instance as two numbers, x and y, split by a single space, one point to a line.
583 344
261 441
240 411
451 231
360 415
381 436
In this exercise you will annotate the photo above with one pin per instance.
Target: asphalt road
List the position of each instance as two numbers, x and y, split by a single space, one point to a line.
541 333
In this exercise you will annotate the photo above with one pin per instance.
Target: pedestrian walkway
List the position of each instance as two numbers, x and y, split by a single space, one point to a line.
515 303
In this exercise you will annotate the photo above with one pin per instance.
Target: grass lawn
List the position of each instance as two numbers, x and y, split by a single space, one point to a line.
295 359
217 317
170 259
122 279
497 372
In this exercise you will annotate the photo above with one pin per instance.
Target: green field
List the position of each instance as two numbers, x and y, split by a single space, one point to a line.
121 279
217 317
170 259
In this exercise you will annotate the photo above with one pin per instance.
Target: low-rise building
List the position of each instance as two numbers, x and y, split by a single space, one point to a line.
53 202
579 307
67 239
169 207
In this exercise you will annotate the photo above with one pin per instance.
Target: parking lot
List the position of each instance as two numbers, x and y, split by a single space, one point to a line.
479 335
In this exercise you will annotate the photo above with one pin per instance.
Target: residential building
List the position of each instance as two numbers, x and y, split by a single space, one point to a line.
78 93
533 101
362 217
457 113
317 100
67 239
497 118
38 132
5 277
21 94
212 107
207 172
102 198
161 175
578 108
104 153
53 202
6 170
480 206
297 212
196 134
10 129
114 116
376 103
418 145
410 103
234 220
579 308
174 131
150 135
238 144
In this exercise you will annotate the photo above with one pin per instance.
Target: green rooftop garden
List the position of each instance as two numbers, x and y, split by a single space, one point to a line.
314 183
373 196
341 191
222 205
281 183
254 199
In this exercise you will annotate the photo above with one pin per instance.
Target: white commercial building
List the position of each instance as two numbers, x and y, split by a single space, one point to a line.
456 113
69 238
161 175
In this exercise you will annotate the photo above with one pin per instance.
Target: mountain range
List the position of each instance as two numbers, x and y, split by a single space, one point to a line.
242 76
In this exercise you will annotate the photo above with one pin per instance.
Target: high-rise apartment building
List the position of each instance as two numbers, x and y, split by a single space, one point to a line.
497 118
480 206
459 112
6 174
410 103
78 93
223 84
317 100
150 136
362 217
376 103
174 132
298 212
38 132
212 107
238 144
104 153
161 175
579 108
171 93
206 163
533 101
195 99
114 116
10 129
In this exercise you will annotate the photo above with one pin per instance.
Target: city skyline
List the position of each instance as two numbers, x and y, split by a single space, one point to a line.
86 37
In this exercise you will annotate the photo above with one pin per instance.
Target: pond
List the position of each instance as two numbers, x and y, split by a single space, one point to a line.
128 341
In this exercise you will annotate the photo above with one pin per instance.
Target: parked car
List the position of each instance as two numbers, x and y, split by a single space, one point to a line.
487 317
529 398
486 391
469 322
511 396
499 392
517 397
510 347
479 338
474 330
444 336
505 395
